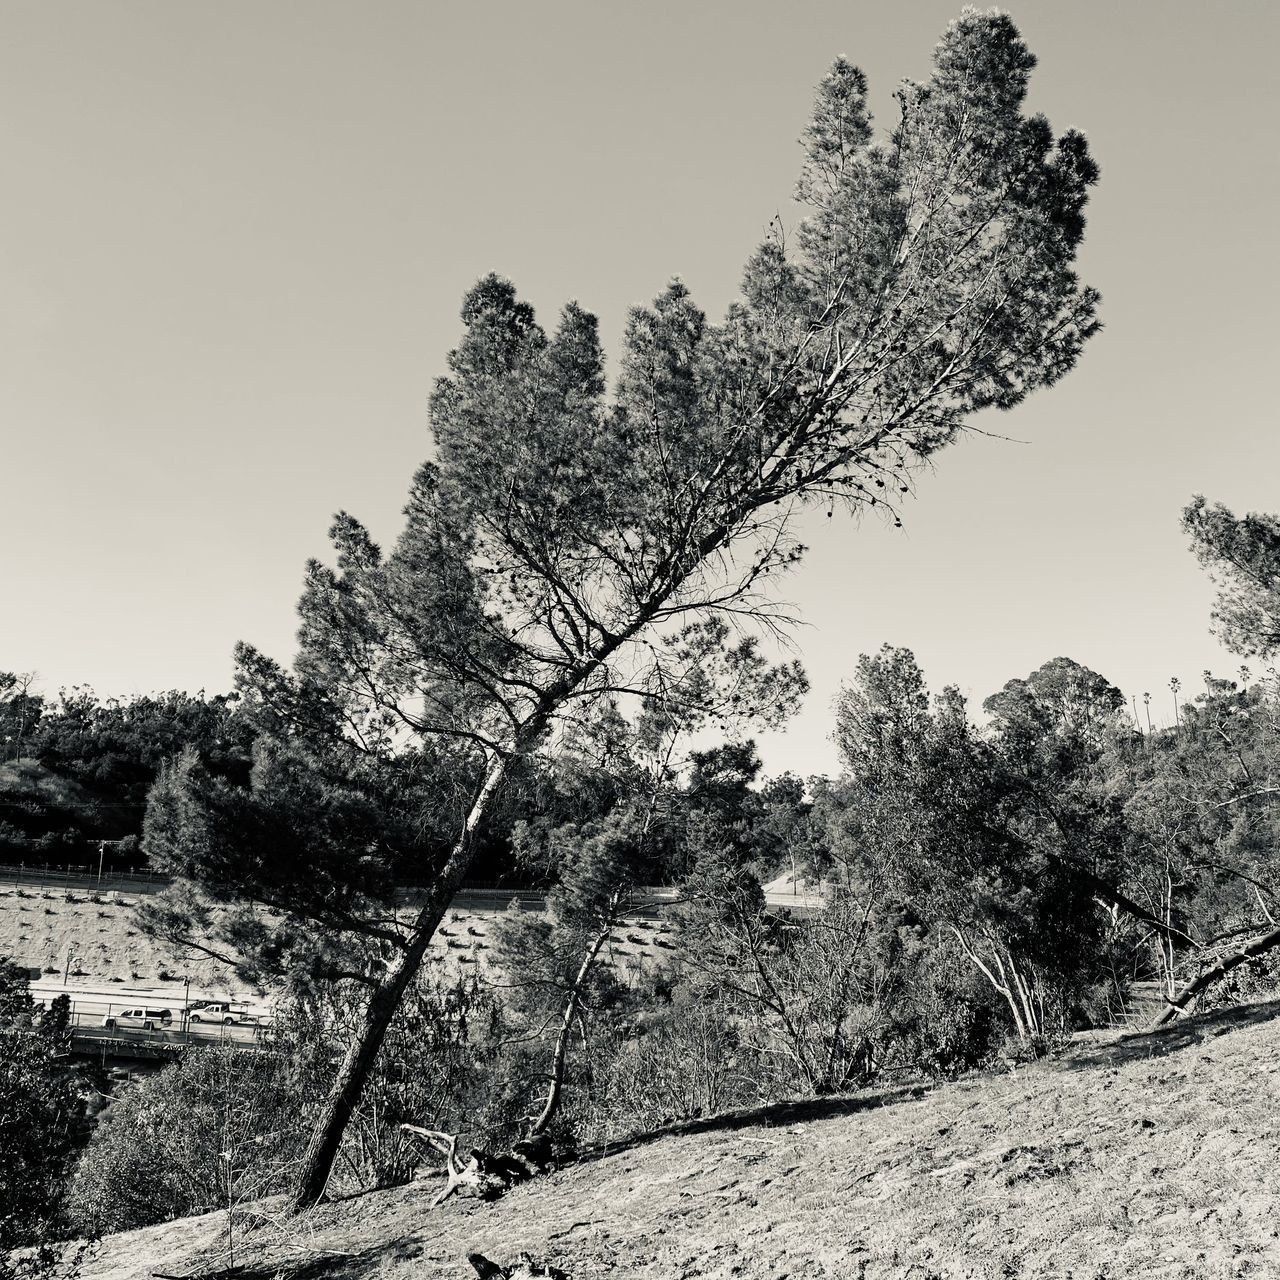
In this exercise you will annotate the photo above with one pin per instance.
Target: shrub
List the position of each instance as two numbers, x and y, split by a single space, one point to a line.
947 1018
676 1062
161 1151
42 1120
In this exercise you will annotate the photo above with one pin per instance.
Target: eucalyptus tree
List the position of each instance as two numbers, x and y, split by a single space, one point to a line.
1216 778
931 809
563 543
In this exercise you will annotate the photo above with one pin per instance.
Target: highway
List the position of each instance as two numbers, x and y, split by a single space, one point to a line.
93 1001
92 1005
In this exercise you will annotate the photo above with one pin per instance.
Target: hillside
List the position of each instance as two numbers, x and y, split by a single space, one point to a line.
1125 1155
98 936
35 799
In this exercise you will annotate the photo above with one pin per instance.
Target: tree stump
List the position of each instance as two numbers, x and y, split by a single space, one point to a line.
524 1268
482 1174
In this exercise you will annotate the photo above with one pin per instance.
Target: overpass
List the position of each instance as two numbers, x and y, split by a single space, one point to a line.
97 1031
107 1044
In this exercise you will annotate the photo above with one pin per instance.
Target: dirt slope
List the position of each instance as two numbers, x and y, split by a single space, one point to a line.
1125 1156
97 936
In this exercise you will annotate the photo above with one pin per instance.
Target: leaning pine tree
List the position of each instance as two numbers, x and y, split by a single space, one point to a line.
562 540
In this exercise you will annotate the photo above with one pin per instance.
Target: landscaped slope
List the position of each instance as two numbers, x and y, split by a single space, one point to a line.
1150 1156
97 937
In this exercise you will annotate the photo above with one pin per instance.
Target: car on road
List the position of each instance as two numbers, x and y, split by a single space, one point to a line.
222 1011
147 1018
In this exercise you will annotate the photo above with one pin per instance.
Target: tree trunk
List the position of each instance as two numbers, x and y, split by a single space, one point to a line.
561 1053
1000 985
1034 1023
1206 979
326 1136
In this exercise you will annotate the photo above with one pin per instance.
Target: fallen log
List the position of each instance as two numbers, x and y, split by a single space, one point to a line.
1203 981
483 1175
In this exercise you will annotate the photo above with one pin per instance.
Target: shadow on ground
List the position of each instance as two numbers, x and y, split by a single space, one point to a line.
422 1255
322 1265
1186 1034
770 1115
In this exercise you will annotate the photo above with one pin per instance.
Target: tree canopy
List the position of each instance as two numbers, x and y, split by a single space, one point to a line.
1242 556
565 547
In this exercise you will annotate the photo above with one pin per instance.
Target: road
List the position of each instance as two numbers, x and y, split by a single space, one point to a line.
93 1001
92 1005
647 900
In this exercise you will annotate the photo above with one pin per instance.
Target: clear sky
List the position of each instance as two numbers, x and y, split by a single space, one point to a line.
235 236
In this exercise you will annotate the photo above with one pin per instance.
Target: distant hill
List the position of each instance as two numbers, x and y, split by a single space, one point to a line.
1126 1155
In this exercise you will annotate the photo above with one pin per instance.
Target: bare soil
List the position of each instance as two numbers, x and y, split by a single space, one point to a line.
1125 1155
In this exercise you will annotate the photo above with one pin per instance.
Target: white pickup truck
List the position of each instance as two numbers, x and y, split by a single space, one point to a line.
222 1011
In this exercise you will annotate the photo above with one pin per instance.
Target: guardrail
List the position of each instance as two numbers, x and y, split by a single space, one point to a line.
102 1024
79 878
110 1042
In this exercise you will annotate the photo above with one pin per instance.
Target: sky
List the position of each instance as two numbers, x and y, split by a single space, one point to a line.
235 237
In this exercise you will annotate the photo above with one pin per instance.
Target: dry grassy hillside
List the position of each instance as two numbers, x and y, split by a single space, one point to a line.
1124 1156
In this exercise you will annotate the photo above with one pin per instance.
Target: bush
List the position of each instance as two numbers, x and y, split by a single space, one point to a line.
946 1020
168 1147
42 1122
679 1063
